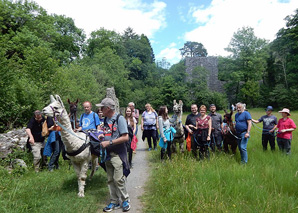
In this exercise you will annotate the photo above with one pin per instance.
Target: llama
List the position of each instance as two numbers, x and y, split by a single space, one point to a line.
73 142
73 106
176 121
229 133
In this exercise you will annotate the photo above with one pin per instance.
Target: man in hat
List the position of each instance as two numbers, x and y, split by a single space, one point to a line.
285 128
269 126
117 167
216 136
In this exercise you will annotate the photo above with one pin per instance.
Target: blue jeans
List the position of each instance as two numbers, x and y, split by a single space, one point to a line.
242 144
56 147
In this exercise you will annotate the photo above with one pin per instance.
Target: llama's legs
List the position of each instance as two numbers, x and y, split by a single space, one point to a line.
81 170
94 161
181 144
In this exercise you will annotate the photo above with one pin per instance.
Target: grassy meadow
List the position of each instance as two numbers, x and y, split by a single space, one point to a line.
268 183
51 191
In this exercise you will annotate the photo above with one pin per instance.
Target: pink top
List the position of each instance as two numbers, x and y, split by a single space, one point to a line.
285 124
203 123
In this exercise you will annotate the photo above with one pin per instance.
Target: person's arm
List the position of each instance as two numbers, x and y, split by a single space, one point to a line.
160 122
256 121
156 117
249 123
122 139
291 129
142 123
80 125
29 133
134 126
209 129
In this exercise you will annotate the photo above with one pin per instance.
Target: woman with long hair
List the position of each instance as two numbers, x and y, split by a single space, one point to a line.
164 126
202 133
131 123
149 125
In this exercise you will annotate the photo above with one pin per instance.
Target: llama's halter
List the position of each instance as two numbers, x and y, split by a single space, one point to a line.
63 127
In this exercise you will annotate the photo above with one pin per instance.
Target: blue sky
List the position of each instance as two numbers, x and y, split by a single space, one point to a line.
170 23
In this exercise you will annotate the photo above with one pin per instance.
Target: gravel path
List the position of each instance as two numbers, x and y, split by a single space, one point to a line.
138 176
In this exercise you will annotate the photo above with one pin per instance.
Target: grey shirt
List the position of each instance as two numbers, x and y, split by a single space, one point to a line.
119 128
216 121
268 123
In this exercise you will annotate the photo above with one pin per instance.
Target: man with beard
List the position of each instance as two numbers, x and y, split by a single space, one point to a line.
217 125
190 125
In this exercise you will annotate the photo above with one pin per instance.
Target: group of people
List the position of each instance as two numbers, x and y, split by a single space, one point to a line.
114 141
205 130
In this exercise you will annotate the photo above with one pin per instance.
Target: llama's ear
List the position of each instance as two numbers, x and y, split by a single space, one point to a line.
52 98
225 111
60 101
68 100
77 101
180 102
231 113
174 102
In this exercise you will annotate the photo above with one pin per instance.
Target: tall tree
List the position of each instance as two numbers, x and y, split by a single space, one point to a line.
193 49
246 64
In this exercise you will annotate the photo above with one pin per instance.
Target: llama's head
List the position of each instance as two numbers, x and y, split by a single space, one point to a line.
73 106
55 108
228 117
177 108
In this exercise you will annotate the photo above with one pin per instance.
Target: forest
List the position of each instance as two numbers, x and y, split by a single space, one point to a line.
42 54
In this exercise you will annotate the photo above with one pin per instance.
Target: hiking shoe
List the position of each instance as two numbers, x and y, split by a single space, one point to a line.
111 207
125 206
149 149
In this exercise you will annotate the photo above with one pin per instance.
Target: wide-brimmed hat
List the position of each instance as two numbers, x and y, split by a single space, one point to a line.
285 110
269 108
106 102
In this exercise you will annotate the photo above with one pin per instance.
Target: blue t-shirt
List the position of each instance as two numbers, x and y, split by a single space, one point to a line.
88 122
241 121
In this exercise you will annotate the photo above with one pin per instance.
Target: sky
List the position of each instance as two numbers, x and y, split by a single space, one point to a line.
170 23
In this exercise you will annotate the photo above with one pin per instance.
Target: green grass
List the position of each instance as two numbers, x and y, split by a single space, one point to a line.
268 183
50 191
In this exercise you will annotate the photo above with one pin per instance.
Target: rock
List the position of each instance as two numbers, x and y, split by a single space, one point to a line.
19 163
16 138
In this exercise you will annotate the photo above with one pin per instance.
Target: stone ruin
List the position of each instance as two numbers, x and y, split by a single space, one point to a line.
111 94
210 63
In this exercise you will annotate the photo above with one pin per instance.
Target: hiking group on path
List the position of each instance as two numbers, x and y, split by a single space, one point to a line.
119 134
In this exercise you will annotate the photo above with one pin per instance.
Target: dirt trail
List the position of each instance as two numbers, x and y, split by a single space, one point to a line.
138 176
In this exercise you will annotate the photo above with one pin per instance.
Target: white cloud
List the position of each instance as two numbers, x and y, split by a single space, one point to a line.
115 15
171 53
218 22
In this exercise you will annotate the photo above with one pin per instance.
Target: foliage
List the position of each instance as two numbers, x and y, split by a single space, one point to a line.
245 67
193 49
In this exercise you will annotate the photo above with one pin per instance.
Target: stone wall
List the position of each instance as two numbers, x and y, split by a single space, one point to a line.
16 138
210 63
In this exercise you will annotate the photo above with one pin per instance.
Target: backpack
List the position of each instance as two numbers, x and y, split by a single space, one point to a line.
130 130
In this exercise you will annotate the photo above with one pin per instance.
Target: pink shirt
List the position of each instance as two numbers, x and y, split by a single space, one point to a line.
203 123
285 124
